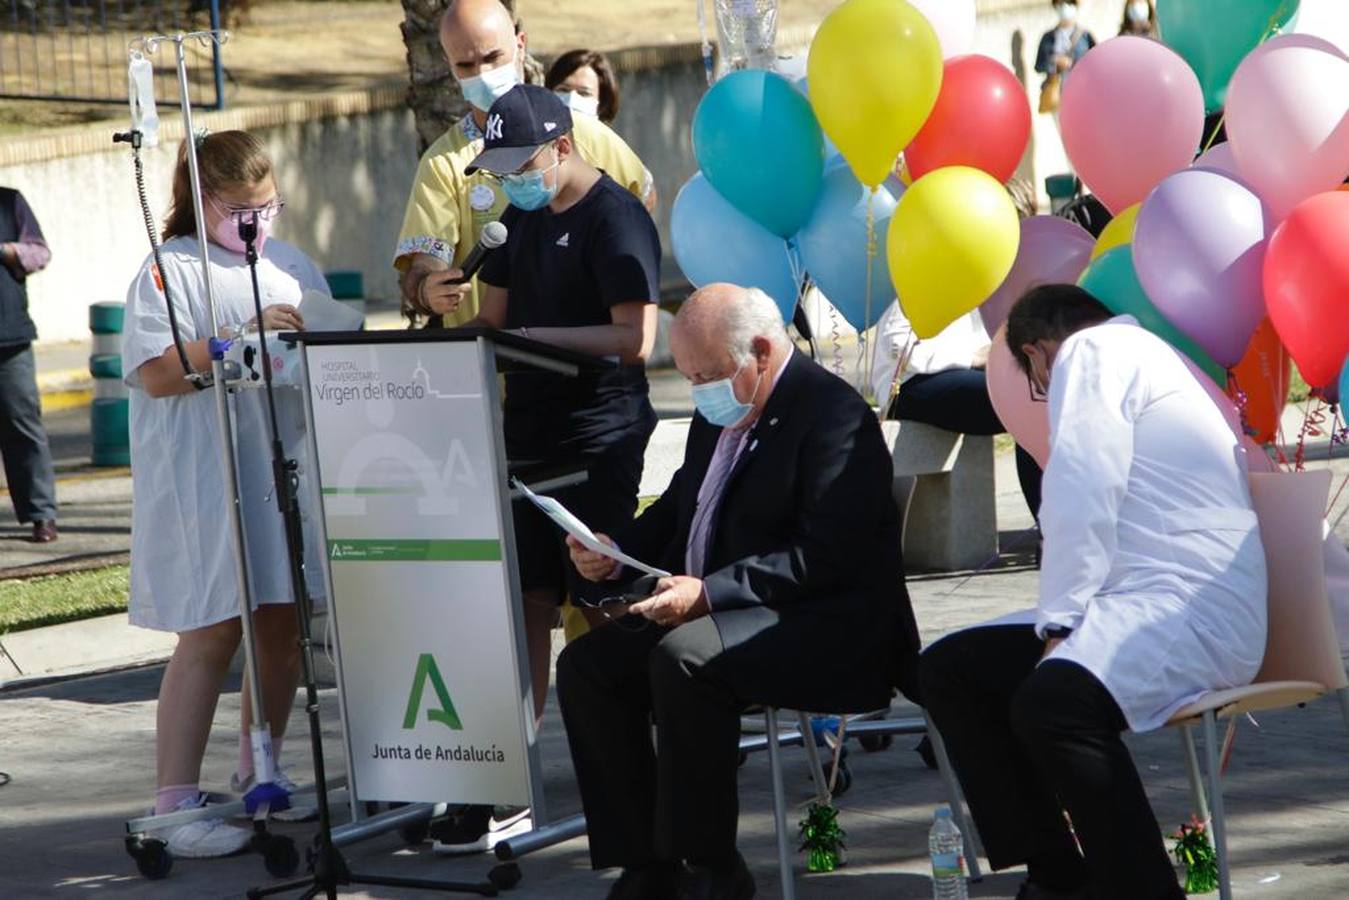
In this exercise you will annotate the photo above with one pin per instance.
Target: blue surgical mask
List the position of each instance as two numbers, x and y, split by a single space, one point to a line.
485 89
718 404
528 190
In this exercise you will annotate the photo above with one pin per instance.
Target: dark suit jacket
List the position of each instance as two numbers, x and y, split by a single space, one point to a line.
803 574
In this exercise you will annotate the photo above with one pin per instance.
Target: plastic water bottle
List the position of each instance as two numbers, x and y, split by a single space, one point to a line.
947 849
747 32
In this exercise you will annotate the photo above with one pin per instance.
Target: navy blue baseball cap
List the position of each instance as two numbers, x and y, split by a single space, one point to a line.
520 122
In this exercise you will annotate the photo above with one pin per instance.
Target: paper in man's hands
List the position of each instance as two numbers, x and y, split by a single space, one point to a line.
322 313
579 530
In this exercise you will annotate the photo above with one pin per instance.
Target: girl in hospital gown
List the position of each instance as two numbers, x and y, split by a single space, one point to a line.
1158 570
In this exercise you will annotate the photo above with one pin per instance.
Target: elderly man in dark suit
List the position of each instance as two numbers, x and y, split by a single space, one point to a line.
790 593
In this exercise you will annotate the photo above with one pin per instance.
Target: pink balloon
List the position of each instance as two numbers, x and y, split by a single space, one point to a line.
1199 250
1052 251
1025 420
953 20
1132 113
1288 119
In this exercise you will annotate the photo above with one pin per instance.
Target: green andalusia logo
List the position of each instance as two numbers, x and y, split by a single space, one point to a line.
427 670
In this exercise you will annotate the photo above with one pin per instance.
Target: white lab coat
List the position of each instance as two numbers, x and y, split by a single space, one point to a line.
182 557
1152 552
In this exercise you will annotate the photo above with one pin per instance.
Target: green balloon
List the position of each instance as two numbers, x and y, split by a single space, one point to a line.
1112 280
1214 36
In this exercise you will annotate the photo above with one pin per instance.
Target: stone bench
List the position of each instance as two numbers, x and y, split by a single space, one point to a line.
946 495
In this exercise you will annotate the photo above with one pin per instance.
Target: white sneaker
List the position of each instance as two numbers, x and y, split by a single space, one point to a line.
282 780
204 838
469 832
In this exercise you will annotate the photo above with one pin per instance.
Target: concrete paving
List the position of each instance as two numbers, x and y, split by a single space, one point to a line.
80 753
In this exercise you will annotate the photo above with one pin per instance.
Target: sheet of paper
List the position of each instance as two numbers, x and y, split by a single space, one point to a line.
322 313
579 530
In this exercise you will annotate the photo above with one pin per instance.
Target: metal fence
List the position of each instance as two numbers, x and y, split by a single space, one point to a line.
76 50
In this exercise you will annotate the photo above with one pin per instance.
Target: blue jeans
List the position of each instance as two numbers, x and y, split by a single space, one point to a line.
23 440
957 400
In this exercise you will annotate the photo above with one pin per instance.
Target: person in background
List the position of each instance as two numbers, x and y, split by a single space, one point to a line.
1152 593
183 576
29 473
447 208
945 383
1139 20
1064 44
585 81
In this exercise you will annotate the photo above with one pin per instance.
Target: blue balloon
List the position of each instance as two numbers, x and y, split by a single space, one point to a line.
713 241
833 247
757 141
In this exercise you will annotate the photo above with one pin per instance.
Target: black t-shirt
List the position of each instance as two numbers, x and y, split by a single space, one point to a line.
566 270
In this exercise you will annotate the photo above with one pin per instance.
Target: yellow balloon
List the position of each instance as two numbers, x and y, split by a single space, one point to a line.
874 71
952 241
1118 231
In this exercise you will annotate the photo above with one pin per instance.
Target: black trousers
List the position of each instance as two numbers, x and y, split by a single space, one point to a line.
673 800
957 400
23 441
1030 742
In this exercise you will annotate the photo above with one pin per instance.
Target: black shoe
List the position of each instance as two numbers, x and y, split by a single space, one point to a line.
463 833
654 882
707 883
1031 891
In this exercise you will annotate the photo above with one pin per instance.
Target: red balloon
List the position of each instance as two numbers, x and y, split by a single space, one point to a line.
982 119
1307 285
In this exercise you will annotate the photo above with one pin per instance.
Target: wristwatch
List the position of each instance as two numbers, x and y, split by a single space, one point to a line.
1057 632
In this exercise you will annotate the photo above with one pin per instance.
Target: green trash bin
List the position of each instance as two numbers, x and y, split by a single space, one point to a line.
109 413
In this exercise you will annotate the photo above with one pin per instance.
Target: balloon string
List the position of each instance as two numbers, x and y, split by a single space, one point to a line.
897 379
865 364
836 340
1241 401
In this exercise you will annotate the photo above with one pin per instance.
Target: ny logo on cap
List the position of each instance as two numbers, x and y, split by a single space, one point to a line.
493 130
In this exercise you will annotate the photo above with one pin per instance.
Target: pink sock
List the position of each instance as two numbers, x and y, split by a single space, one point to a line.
168 798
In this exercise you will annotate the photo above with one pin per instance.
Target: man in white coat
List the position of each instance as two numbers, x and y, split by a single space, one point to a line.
1152 591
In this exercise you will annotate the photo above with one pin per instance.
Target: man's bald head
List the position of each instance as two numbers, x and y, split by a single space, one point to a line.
478 35
727 331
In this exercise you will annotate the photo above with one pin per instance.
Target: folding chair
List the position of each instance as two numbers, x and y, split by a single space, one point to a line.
1302 657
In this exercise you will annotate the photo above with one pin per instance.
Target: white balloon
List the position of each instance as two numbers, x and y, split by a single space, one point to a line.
1327 19
953 20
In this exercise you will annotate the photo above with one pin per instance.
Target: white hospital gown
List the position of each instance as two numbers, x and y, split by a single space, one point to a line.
1152 551
182 556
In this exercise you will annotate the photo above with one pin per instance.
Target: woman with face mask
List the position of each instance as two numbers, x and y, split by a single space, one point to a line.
585 81
1060 49
182 564
1140 19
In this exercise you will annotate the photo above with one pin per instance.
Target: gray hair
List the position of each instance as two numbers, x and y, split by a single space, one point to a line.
756 315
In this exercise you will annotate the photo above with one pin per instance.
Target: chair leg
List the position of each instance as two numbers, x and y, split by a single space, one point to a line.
1214 754
1196 780
779 805
1343 696
974 848
813 756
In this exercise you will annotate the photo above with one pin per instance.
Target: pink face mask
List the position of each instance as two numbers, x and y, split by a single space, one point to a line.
226 230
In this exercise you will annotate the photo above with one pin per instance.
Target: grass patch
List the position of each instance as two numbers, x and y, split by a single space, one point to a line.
52 599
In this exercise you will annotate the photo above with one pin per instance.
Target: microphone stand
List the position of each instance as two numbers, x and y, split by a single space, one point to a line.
328 868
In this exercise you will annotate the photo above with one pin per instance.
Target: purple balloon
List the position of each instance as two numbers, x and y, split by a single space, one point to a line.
1219 158
1052 251
1199 248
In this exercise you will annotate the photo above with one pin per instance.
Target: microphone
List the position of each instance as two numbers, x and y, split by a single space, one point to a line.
494 234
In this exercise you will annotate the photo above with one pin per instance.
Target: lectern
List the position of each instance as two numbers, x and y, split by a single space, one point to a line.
409 458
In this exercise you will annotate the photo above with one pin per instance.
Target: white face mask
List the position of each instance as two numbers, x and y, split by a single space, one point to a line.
1138 12
578 102
1067 12
485 89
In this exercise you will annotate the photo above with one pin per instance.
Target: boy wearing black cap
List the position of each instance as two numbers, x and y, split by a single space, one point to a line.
580 270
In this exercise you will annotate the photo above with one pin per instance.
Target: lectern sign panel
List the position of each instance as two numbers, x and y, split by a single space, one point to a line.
430 685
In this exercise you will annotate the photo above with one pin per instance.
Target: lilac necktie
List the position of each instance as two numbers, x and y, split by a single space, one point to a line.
709 498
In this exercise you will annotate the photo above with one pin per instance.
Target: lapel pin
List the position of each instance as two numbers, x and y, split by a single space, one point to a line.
773 421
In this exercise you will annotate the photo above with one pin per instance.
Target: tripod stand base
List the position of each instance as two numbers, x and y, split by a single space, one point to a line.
331 872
